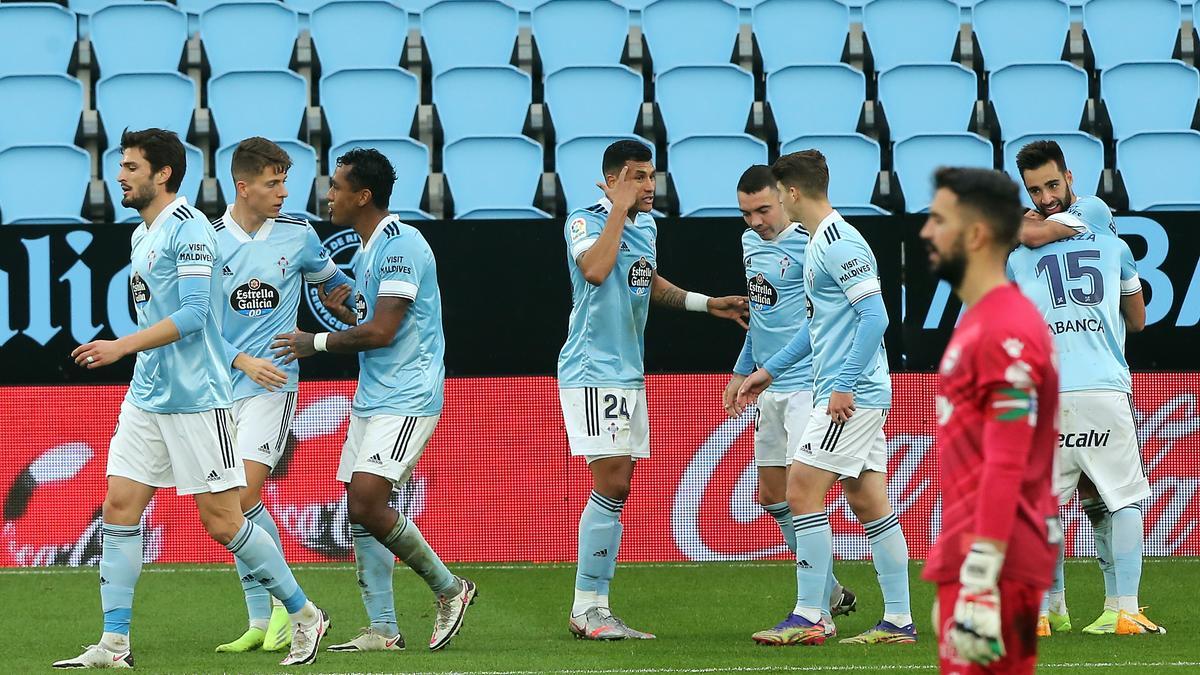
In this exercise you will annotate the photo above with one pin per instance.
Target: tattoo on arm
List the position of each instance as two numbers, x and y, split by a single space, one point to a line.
667 294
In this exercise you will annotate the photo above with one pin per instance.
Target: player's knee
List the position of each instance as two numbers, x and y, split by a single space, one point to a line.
614 490
249 498
121 509
222 527
362 510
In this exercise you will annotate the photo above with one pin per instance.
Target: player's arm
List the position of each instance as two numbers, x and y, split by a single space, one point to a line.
666 294
855 274
1133 302
757 382
598 260
322 272
743 367
1037 231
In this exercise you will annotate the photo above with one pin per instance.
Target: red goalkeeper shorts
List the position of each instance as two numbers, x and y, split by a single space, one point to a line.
1019 605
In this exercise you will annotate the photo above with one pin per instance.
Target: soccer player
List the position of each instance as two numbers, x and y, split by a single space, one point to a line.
612 263
852 393
175 429
266 257
1088 291
773 253
397 333
996 435
1058 212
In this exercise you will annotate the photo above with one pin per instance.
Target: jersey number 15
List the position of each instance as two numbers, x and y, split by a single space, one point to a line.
1077 270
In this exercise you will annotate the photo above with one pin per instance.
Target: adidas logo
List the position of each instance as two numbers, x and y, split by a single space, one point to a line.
226 272
374 459
265 448
213 475
602 553
806 448
265 580
803 564
103 581
247 578
624 247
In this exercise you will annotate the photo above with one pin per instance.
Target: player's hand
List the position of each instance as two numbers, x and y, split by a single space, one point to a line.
976 631
841 406
729 396
732 307
98 353
624 194
754 384
335 302
1034 215
260 371
291 346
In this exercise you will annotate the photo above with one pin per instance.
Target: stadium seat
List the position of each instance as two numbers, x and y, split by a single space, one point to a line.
235 101
248 35
460 93
927 98
120 100
299 181
917 157
59 200
1010 89
358 34
580 33
789 32
704 170
35 37
711 30
1131 30
494 176
816 99
577 163
1020 31
161 29
1150 96
353 98
111 166
48 113
1160 170
853 161
576 109
468 33
910 31
704 100
1084 154
410 159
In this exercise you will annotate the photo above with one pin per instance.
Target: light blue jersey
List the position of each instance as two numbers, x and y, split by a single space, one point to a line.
405 377
605 344
190 374
775 287
1077 284
262 277
1088 214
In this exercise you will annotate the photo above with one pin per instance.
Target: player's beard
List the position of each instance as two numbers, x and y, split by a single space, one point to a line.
138 198
950 265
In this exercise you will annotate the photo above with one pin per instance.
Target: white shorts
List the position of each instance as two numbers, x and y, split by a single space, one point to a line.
847 449
263 423
192 452
779 424
385 445
606 422
1097 436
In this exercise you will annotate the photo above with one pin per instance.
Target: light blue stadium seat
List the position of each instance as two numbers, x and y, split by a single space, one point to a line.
110 166
162 31
927 98
1084 154
1010 89
121 102
35 37
48 112
59 200
853 161
711 30
1131 30
299 181
577 163
704 170
1158 96
916 158
358 34
789 32
580 33
816 99
704 100
482 101
1020 31
577 110
468 33
494 176
1143 160
410 159
352 100
910 31
236 101
248 35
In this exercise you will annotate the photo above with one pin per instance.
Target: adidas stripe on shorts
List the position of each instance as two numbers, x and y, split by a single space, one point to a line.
606 422
263 424
385 445
848 448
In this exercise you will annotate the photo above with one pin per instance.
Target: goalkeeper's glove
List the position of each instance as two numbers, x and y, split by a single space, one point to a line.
975 633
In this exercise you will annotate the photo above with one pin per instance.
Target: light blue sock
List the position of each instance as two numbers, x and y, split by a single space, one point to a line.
258 599
597 532
890 553
605 581
262 558
406 542
1127 535
1102 530
830 583
374 564
814 549
120 565
783 517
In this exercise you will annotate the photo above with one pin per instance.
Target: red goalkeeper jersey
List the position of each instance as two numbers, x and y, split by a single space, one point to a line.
997 411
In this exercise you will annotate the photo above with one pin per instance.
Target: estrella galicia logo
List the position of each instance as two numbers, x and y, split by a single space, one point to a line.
254 298
762 294
140 289
640 275
360 307
343 249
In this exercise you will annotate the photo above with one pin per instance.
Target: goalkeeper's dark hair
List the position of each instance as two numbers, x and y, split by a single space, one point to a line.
990 194
756 179
622 151
161 148
1038 153
368 169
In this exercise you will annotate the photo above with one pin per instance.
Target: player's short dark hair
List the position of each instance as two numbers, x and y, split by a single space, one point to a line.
805 170
756 179
992 194
1038 154
369 169
255 154
627 150
161 148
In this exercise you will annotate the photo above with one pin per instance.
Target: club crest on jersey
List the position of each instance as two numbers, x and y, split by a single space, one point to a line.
139 289
360 307
254 298
640 275
342 248
784 263
283 263
761 293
